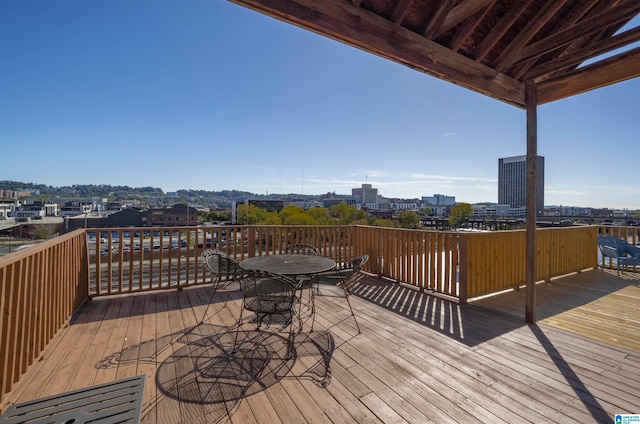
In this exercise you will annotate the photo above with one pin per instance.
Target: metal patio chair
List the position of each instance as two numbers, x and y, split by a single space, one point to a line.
272 298
339 283
226 275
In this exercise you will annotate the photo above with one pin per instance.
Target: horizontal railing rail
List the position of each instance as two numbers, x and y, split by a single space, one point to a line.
40 289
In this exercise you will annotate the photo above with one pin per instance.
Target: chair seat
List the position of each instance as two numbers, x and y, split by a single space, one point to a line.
228 286
273 305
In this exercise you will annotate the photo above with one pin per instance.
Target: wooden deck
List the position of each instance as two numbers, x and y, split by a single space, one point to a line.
418 359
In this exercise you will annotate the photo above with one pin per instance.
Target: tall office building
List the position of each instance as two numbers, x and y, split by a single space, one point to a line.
512 182
366 195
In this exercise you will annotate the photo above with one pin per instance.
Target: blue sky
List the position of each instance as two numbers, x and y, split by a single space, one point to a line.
209 95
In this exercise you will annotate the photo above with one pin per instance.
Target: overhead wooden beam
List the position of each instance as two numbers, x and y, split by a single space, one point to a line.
575 14
531 193
585 27
506 58
461 12
438 18
614 69
499 29
400 11
357 27
595 49
467 29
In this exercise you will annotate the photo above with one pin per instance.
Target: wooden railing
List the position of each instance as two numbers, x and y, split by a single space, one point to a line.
495 261
471 264
140 259
457 264
424 259
40 288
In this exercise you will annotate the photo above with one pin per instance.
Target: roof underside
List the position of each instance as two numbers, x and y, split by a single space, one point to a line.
489 46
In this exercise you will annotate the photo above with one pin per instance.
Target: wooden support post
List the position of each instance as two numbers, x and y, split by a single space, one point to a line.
531 99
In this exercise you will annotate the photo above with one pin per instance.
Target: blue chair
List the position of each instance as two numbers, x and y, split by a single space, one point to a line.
624 253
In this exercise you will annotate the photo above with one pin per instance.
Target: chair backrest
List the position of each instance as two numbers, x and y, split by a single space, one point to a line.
302 249
352 266
358 263
220 265
352 273
268 293
629 249
610 246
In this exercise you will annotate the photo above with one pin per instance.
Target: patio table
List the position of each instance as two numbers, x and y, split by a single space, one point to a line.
290 265
300 267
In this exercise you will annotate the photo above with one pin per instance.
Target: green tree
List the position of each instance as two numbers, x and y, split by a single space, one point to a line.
320 216
347 214
426 211
217 216
300 218
381 222
459 214
271 218
409 219
288 213
250 215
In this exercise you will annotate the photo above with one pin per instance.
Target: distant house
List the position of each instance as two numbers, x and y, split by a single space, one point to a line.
75 208
5 210
269 205
29 211
175 216
110 207
13 194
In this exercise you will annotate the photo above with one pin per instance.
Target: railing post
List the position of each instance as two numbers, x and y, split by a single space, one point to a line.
251 241
462 266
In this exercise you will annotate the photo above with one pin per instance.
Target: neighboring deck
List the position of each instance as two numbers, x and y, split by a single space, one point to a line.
419 358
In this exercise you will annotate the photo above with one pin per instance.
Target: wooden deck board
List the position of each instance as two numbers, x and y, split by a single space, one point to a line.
418 359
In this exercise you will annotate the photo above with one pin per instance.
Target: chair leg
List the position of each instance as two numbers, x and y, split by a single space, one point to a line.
313 310
204 316
235 339
352 313
291 338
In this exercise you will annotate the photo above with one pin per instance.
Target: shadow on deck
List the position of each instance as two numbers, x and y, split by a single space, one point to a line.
420 358
596 298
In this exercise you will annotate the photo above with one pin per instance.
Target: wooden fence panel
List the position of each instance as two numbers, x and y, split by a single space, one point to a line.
40 289
496 261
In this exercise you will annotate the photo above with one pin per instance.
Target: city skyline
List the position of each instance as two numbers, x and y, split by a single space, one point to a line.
323 195
147 94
